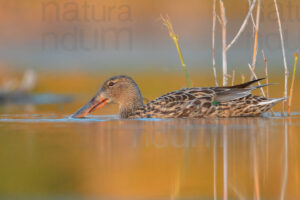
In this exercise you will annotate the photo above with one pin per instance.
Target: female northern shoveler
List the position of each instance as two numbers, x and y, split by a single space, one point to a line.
234 101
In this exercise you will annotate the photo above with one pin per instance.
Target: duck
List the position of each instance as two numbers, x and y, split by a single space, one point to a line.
191 103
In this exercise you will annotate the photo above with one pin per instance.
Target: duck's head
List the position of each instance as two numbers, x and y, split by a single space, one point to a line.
119 89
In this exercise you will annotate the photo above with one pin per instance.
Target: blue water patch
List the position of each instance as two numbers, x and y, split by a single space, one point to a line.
38 118
54 118
280 115
50 118
153 119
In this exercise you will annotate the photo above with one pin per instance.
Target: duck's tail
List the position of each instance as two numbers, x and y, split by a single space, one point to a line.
272 101
261 86
247 84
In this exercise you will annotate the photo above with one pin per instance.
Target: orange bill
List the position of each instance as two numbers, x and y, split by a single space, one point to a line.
94 104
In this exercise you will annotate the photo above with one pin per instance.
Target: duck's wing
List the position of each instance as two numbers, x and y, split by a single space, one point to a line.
219 94
230 93
186 94
192 102
189 96
178 104
225 94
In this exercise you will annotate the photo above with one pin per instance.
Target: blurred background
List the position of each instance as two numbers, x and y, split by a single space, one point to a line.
55 55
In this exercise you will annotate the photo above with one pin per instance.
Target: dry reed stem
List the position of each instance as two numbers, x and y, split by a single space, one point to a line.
219 19
243 78
252 18
242 28
286 72
213 42
224 42
253 73
226 47
255 47
266 72
292 85
167 22
232 77
266 77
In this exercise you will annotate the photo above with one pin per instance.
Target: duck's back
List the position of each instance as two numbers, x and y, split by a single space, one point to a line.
236 101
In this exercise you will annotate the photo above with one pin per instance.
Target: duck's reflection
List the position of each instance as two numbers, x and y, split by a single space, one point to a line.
220 158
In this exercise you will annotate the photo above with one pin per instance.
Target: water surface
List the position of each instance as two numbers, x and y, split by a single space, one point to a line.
102 157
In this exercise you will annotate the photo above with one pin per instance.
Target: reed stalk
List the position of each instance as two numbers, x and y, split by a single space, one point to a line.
255 46
167 22
224 42
213 42
254 75
266 72
225 46
252 18
243 26
233 77
243 78
292 85
286 72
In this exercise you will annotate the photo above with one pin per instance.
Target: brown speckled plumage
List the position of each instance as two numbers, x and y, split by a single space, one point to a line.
235 101
197 103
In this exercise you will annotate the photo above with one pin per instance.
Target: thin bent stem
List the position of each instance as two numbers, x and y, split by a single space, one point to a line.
292 85
242 28
266 72
255 47
243 78
252 18
168 24
253 73
233 77
286 72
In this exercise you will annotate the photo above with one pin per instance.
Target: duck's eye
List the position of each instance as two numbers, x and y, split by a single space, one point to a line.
111 84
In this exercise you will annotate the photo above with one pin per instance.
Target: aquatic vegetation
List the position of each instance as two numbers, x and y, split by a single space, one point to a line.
167 22
292 85
221 17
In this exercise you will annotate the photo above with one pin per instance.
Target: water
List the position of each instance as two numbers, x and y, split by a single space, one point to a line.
102 157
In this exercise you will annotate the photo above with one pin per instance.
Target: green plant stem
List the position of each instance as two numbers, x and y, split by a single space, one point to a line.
187 76
168 24
292 85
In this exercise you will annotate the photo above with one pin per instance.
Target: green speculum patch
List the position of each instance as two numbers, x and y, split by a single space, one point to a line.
215 103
